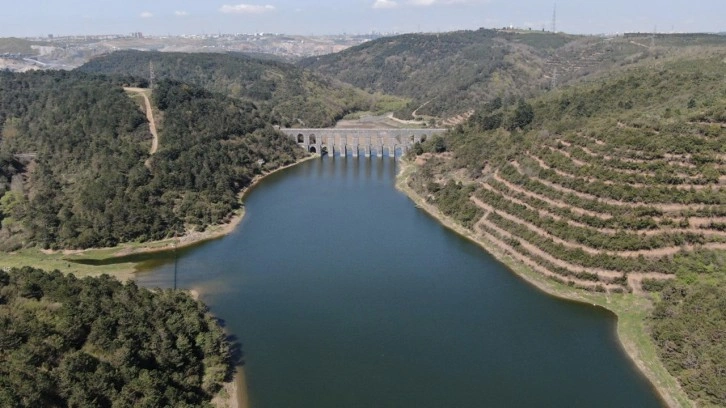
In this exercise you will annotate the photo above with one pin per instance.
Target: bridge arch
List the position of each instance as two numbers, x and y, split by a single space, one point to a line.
359 141
392 151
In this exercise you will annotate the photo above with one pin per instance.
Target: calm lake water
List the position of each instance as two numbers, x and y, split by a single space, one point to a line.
344 294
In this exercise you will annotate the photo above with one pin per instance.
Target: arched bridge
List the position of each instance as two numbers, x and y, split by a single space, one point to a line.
354 141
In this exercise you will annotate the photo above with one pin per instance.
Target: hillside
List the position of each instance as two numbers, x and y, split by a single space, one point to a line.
68 342
17 46
292 96
613 186
89 180
449 74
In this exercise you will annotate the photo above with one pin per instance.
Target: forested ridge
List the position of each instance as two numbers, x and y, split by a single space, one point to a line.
447 74
446 71
95 342
290 96
89 186
617 185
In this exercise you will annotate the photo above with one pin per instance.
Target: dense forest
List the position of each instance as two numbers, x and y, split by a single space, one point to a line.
92 182
95 342
452 73
447 72
289 95
688 326
616 185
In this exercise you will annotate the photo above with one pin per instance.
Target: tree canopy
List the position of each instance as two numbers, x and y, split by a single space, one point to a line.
93 183
288 95
95 342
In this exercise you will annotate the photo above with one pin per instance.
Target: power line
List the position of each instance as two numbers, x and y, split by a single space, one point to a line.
151 75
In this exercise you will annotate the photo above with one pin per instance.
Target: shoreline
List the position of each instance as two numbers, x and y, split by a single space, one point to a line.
630 310
191 238
236 389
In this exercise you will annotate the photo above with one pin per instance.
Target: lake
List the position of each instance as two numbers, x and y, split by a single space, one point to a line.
344 294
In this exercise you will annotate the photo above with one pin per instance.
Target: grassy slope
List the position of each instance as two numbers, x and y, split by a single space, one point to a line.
649 142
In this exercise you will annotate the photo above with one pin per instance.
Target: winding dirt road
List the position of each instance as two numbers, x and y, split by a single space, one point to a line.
149 116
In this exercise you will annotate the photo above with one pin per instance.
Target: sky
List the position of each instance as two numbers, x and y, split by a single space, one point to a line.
30 18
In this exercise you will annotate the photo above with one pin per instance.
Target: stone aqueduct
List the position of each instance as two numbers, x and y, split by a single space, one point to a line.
341 142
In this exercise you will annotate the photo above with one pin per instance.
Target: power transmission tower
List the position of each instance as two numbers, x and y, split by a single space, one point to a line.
554 78
151 75
652 37
554 19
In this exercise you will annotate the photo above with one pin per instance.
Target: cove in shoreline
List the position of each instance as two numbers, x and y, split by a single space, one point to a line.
237 395
135 253
630 310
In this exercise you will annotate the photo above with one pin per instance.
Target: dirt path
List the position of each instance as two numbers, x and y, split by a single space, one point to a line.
560 204
403 121
458 119
150 117
698 226
664 207
648 253
684 186
604 274
415 112
545 213
578 163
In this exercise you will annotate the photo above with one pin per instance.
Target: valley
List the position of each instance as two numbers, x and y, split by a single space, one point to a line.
594 167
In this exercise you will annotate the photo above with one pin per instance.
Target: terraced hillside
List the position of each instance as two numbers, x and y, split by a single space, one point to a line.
616 186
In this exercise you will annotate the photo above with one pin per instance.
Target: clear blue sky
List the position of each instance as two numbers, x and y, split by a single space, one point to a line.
158 17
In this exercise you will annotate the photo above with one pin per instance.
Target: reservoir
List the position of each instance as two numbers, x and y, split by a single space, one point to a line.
343 294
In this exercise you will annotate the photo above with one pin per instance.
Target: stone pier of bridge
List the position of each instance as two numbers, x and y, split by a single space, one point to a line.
360 142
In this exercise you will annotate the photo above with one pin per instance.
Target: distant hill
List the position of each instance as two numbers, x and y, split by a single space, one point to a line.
12 45
445 73
449 74
616 185
292 96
